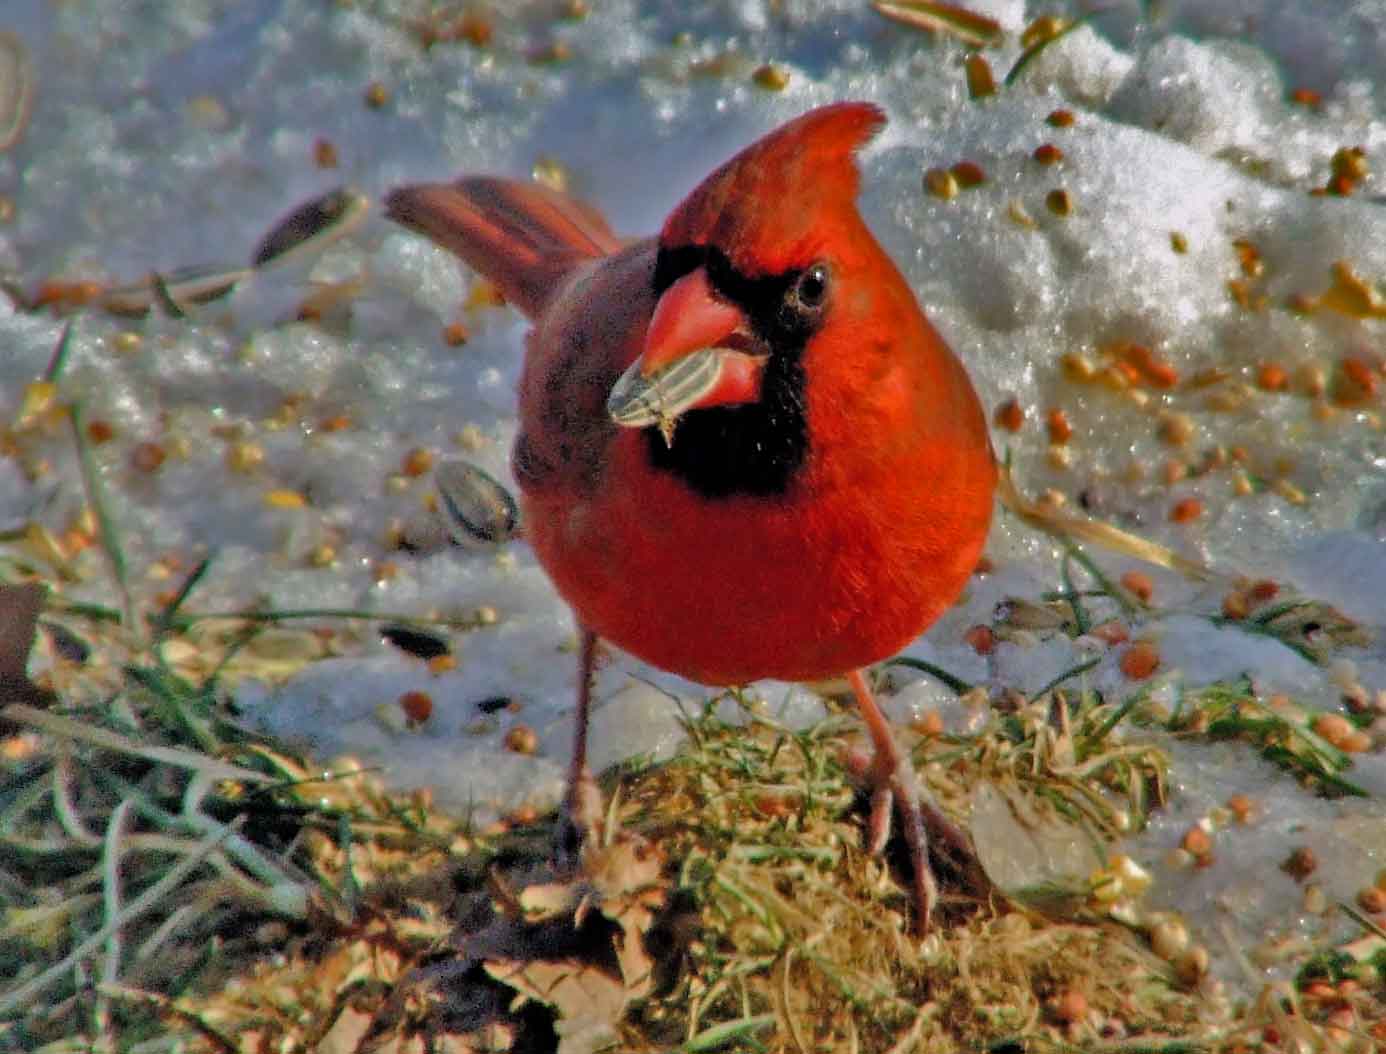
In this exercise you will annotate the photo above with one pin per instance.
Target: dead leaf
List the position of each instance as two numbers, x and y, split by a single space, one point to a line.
629 865
588 1000
637 968
346 1032
626 877
622 879
546 900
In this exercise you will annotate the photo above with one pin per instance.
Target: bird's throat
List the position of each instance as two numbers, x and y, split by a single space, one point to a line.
749 450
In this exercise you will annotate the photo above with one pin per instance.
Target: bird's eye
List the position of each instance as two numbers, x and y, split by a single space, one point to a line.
811 289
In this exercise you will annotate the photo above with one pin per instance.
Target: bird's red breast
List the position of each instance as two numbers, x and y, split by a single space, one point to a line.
818 502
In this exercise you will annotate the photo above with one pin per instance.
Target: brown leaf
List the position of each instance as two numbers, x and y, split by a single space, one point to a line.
622 879
546 900
626 876
346 1033
630 865
589 1001
637 968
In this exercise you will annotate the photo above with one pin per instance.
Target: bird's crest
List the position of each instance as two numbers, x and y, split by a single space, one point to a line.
769 206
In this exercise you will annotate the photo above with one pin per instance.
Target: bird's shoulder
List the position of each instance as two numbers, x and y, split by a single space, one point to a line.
588 334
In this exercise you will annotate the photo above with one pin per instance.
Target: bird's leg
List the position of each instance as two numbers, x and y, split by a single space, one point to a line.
582 802
893 783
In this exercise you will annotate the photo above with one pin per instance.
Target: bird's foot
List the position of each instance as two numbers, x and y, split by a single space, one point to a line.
895 790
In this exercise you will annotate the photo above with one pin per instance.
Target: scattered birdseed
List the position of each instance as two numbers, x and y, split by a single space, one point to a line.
968 174
244 456
1059 202
376 95
147 457
1249 257
552 53
521 739
1169 938
1197 842
1009 415
1140 660
284 499
417 706
324 153
1192 966
411 640
771 77
476 502
941 183
1301 863
1186 510
1372 900
441 664
1271 377
99 432
1175 428
1112 632
1056 424
1015 211
980 639
1139 585
417 462
550 172
980 82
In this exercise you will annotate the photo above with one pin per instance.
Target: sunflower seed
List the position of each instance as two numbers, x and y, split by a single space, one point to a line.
476 502
16 89
312 226
177 290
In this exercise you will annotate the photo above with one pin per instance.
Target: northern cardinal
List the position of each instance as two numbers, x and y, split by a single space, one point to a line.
744 452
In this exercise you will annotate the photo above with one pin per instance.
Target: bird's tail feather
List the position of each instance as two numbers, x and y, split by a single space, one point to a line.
523 237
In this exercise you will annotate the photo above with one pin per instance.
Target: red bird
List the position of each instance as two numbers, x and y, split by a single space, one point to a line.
743 452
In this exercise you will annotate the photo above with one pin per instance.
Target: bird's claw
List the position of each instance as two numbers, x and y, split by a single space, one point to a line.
878 828
895 788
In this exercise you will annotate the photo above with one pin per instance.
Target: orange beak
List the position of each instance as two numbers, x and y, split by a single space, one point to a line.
685 365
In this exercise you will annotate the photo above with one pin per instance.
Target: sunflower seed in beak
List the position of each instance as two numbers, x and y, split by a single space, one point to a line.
638 401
